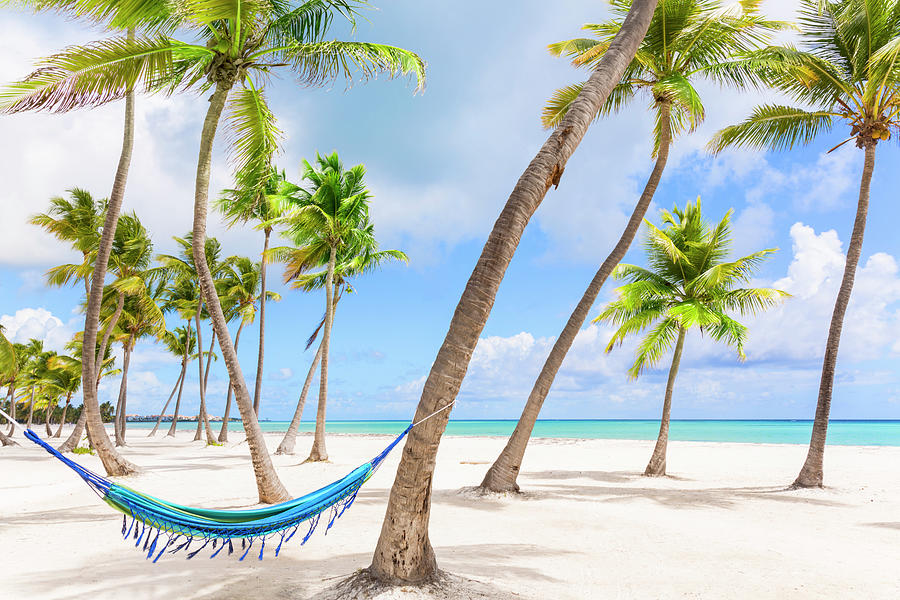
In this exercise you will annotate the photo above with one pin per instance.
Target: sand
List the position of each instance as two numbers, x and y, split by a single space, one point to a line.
588 525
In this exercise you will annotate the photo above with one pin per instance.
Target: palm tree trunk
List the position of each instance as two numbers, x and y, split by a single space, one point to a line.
226 418
657 465
48 413
113 462
318 452
30 410
123 393
174 424
404 553
12 411
268 484
811 475
169 401
257 392
120 305
502 475
62 420
290 437
74 437
202 417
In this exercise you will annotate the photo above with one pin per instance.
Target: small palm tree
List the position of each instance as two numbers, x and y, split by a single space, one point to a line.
140 318
847 70
240 289
688 285
185 296
686 43
182 343
8 367
352 263
330 216
266 205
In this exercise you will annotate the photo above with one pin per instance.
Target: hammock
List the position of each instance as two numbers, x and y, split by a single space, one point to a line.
181 526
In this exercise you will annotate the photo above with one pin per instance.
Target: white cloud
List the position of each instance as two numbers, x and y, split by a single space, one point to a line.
784 349
37 323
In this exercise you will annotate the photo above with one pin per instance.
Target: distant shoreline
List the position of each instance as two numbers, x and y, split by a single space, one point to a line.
858 432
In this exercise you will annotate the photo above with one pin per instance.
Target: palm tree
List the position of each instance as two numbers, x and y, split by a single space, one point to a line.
182 343
240 287
141 317
348 265
403 552
688 285
331 215
22 374
189 302
847 69
234 44
265 204
686 42
69 381
78 220
8 365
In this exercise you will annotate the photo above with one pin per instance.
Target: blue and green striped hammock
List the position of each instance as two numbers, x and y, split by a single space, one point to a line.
162 525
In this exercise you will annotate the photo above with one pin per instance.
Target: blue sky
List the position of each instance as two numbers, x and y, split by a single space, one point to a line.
440 165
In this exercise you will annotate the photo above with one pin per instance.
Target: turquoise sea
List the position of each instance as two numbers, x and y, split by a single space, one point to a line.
843 433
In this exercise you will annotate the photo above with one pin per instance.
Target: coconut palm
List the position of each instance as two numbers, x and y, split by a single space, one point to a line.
685 44
846 70
182 343
239 289
140 318
403 553
189 302
352 263
688 284
78 220
264 204
330 216
8 366
20 374
70 381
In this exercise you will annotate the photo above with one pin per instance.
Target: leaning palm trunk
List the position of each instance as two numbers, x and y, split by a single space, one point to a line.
226 417
502 475
257 391
174 425
74 437
657 465
62 420
123 393
113 462
318 452
12 411
169 401
290 437
404 553
811 475
30 410
268 484
202 417
48 414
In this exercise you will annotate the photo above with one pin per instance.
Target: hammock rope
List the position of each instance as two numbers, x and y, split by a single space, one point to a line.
181 526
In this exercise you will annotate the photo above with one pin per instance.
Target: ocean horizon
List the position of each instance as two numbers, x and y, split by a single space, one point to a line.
841 432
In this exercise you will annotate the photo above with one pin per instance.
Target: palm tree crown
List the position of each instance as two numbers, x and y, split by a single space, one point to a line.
688 284
687 40
847 69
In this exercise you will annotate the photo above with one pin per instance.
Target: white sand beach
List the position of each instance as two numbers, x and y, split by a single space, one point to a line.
587 526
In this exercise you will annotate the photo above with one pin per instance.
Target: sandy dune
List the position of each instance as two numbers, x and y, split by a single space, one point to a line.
588 526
